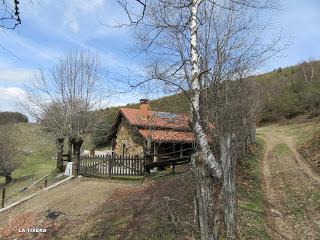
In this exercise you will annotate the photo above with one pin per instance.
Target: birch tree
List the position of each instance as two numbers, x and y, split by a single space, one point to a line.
191 45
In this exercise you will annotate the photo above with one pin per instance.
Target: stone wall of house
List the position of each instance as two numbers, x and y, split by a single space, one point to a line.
130 138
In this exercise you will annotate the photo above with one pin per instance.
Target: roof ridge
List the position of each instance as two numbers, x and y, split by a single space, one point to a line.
137 109
158 119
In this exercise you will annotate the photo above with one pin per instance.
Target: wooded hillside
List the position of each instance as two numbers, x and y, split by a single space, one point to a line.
284 93
12 117
289 92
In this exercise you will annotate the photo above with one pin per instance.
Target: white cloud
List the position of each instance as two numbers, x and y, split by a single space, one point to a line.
79 20
9 98
74 26
125 98
16 75
83 15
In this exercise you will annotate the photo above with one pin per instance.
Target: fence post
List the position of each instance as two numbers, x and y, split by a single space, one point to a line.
109 166
147 160
3 197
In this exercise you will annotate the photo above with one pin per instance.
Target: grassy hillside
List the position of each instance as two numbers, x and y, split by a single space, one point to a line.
36 149
289 92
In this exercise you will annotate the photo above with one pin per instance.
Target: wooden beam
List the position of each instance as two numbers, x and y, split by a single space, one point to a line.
155 151
3 197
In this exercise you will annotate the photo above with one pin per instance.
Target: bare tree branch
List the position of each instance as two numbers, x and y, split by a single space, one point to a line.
9 14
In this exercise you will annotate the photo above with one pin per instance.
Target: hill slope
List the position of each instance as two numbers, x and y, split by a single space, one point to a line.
35 149
289 92
284 93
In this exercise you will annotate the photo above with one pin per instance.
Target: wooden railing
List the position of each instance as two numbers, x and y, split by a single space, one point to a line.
168 159
172 153
108 166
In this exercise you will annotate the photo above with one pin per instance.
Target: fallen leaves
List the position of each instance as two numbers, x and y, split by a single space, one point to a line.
29 226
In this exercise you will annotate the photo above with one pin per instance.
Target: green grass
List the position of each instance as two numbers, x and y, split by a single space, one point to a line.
302 131
281 149
251 217
316 197
35 148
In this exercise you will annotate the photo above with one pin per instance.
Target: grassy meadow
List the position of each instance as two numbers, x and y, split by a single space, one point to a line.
36 150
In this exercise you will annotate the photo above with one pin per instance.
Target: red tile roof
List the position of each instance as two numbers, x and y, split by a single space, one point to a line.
164 120
167 135
161 126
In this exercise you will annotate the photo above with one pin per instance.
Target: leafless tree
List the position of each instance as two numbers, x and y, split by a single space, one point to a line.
9 14
193 45
308 70
53 118
235 104
8 152
63 102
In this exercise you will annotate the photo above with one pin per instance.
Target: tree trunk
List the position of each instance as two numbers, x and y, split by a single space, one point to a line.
69 151
77 143
8 178
201 138
207 203
206 169
59 145
304 74
253 133
228 165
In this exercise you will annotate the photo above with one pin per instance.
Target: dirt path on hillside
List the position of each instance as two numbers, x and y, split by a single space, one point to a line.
291 190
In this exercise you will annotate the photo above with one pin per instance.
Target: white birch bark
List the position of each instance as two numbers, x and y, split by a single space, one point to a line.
211 162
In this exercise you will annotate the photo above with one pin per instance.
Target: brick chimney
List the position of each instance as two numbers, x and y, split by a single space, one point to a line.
144 108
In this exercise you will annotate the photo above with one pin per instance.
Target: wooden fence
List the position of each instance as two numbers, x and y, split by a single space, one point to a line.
108 166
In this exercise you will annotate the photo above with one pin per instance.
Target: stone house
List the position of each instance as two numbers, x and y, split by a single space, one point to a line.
138 131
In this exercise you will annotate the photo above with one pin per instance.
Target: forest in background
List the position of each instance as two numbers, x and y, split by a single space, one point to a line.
283 94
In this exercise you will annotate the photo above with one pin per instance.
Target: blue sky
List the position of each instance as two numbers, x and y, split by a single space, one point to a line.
52 28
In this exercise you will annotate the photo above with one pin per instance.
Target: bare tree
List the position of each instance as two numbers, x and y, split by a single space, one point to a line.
8 152
9 14
193 45
307 68
53 118
63 102
235 104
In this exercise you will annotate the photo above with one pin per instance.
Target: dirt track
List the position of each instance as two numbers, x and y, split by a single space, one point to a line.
291 190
